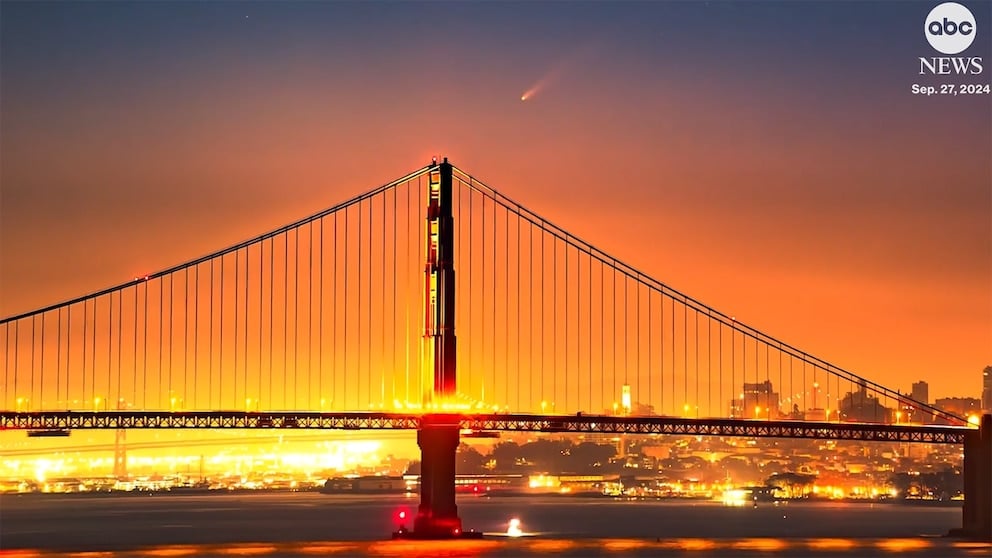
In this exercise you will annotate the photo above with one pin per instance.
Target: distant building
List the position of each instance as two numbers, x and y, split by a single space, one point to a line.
758 400
921 392
861 406
960 406
987 389
625 399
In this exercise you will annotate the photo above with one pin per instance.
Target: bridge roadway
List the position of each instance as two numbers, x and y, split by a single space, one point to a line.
60 421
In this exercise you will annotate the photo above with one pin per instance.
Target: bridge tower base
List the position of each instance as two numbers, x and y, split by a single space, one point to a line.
977 512
437 515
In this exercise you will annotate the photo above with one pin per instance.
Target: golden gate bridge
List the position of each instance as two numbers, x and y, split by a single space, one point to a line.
346 319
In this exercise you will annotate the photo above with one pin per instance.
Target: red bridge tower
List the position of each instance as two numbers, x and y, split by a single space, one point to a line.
437 516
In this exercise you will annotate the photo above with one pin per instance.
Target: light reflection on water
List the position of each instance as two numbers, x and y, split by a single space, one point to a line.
305 524
557 547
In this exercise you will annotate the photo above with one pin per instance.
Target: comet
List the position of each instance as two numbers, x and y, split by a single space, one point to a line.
553 75
538 86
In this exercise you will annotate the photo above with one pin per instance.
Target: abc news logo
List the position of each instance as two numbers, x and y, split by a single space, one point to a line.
950 29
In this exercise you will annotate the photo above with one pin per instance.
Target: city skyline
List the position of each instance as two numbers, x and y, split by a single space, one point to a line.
876 264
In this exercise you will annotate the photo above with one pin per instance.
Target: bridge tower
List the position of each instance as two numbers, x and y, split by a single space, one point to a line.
977 510
437 515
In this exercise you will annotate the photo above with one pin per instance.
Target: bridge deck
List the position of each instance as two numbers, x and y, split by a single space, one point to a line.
592 424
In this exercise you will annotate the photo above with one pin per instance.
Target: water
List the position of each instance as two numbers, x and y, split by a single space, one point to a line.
298 524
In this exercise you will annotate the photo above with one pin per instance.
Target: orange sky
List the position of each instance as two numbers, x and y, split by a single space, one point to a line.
828 207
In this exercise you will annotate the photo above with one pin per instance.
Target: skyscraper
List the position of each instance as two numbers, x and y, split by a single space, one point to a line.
987 389
921 393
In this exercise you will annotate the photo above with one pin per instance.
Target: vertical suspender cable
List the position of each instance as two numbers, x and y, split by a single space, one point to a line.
270 395
613 299
519 321
484 291
335 299
196 332
120 342
261 312
144 349
368 316
93 349
68 355
31 361
58 359
554 323
296 316
650 343
220 339
309 313
185 335
506 312
6 361
237 291
407 296
320 316
110 347
171 336
494 251
709 364
358 321
530 313
767 397
473 333
85 334
733 363
244 329
591 408
661 352
471 288
626 332
41 384
781 386
285 320
344 318
419 314
392 320
196 328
